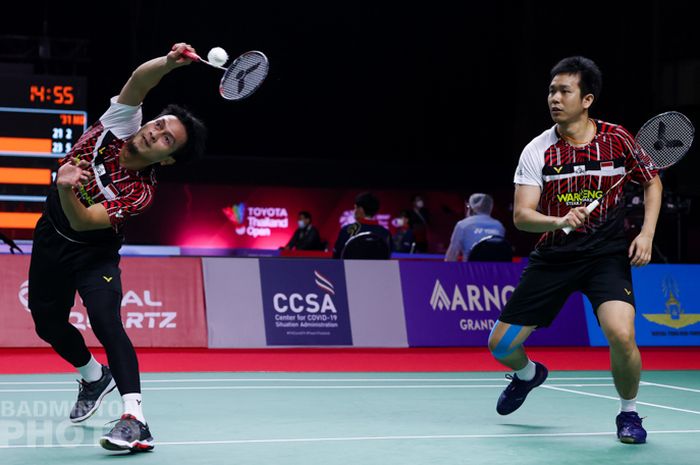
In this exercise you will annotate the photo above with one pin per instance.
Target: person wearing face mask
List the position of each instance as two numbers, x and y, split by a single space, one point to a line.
420 219
403 238
477 224
306 237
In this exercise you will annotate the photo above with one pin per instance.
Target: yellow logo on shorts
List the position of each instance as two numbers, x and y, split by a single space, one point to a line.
628 292
108 278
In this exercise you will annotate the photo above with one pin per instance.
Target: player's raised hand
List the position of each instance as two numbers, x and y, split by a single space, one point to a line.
176 56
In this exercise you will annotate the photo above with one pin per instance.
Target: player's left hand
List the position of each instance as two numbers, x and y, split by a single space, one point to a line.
74 174
640 250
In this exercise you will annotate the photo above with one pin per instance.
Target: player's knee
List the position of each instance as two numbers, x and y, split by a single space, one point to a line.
502 346
622 338
45 330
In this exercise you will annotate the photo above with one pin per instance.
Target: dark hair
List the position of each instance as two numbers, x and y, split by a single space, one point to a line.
590 77
369 203
196 134
305 214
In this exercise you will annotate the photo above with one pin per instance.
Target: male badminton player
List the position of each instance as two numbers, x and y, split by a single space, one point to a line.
560 172
108 177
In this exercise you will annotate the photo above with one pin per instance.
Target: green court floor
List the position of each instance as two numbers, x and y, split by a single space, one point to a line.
357 418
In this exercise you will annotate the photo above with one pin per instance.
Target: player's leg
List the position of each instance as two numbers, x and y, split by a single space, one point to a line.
506 344
617 322
101 290
611 294
52 295
541 293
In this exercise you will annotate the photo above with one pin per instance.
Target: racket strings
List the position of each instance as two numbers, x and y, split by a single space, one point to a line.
244 76
664 140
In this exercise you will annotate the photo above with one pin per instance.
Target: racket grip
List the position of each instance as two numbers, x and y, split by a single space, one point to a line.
191 55
589 208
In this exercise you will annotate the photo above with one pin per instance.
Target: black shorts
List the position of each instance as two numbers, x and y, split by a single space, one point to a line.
59 267
545 285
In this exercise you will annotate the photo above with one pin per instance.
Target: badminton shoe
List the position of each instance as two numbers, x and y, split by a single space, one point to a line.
629 428
90 396
514 395
128 434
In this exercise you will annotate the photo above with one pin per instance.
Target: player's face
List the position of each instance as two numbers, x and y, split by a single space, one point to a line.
564 99
157 140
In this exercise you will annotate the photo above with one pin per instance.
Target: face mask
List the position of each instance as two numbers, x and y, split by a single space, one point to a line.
301 224
419 203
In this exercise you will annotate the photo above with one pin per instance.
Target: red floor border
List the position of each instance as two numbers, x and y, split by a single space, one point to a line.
24 361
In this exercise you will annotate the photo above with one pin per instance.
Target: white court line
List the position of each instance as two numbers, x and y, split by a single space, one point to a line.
669 386
273 387
297 380
359 438
617 399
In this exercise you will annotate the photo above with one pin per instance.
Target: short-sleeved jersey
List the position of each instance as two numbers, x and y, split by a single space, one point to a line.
123 192
572 176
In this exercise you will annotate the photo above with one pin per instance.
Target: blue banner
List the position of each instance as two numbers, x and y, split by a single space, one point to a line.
305 302
667 299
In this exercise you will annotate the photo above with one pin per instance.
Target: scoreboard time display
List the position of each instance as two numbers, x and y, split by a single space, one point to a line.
41 118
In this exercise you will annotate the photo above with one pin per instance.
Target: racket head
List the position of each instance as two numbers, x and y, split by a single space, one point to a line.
664 140
244 76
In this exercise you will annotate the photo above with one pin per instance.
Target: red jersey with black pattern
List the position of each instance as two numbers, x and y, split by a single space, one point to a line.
124 193
572 176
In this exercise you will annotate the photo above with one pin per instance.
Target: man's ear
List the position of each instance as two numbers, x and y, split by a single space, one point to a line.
168 161
588 101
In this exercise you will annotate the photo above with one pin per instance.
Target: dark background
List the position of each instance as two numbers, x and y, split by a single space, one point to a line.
435 96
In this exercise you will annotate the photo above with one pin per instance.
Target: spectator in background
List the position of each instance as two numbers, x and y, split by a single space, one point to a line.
306 237
419 222
366 207
477 224
404 240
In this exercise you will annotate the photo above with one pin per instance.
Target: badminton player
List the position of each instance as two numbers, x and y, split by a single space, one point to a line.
560 172
108 177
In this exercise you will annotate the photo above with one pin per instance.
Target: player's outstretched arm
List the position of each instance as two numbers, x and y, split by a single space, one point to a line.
148 75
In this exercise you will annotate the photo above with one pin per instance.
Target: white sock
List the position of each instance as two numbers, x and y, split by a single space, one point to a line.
628 405
527 373
132 406
92 371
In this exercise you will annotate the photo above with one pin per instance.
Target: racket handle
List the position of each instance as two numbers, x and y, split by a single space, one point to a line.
191 55
589 208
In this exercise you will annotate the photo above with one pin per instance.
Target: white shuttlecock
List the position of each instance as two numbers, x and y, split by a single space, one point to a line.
217 56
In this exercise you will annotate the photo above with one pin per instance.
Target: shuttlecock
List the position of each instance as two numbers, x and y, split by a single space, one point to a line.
217 56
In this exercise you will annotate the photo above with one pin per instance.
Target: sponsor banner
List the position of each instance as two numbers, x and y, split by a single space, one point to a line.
234 302
457 304
667 299
305 302
162 304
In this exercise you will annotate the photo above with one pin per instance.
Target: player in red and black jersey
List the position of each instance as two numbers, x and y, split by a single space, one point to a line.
560 172
108 177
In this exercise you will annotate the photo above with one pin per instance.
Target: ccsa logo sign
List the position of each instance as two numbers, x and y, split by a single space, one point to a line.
309 303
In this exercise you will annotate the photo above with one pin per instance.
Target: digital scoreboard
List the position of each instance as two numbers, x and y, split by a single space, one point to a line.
41 117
